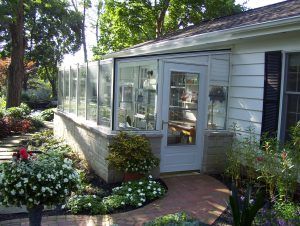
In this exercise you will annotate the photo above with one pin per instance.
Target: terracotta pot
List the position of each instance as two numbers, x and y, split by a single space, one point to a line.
132 176
35 215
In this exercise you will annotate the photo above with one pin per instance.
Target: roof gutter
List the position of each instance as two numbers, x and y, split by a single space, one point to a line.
248 31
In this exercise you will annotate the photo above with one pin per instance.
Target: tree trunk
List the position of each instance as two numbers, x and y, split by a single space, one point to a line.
16 67
161 18
52 79
83 32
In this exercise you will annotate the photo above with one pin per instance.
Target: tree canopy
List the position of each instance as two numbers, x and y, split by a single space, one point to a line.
129 22
48 30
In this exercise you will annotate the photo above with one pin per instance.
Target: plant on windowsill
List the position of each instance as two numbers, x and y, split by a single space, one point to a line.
132 155
36 181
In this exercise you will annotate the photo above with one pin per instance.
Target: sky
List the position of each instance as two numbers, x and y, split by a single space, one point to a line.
91 39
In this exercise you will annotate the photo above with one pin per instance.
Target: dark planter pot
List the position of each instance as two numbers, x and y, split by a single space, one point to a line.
35 215
132 176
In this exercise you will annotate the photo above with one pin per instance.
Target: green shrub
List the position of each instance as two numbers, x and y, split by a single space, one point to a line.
25 108
37 123
131 153
287 211
176 219
2 103
15 112
18 112
86 204
134 193
48 114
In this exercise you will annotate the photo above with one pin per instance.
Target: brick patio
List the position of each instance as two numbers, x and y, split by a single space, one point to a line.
200 195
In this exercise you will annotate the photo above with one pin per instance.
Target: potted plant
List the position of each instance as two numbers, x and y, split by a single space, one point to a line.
132 155
36 181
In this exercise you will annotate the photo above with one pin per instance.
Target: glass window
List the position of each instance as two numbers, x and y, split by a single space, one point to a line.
105 94
81 90
66 99
91 97
73 89
137 96
183 108
60 89
292 92
217 107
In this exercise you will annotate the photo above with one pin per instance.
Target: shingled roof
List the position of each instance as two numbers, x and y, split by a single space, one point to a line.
267 13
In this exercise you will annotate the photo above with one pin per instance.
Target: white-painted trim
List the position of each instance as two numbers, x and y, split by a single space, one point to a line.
281 101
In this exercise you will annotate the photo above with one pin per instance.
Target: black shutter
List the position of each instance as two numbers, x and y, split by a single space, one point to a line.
273 62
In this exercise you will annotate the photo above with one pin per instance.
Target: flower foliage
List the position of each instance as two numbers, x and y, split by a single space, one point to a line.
33 180
88 204
134 193
131 153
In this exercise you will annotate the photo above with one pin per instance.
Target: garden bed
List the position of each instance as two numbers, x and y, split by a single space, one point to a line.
94 196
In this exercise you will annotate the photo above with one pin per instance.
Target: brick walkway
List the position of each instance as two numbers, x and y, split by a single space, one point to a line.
200 195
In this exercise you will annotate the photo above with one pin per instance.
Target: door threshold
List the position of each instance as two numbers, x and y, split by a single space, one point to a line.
179 174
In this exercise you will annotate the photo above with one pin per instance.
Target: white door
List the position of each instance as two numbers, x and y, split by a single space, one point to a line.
183 116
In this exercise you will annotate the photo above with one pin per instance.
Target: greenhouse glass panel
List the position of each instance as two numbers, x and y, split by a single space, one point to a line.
92 91
217 107
81 90
137 95
73 89
105 94
60 90
66 99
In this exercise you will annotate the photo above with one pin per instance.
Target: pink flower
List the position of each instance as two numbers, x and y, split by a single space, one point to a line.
23 153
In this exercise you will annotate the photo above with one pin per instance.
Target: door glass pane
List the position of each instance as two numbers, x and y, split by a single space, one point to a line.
183 108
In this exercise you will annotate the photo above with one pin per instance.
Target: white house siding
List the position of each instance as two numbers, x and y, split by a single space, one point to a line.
247 78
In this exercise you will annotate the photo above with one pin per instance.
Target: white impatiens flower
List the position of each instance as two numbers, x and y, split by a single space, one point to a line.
94 196
123 203
21 192
43 189
140 182
89 204
13 192
25 180
66 180
140 204
154 192
18 185
129 189
30 200
39 176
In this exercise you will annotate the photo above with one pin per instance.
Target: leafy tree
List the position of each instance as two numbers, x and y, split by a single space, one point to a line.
129 22
39 31
12 22
85 5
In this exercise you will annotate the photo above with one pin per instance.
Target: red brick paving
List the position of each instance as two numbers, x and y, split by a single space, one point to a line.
200 195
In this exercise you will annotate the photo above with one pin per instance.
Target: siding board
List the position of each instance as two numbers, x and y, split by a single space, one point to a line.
248 81
252 69
246 115
246 104
250 58
246 92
